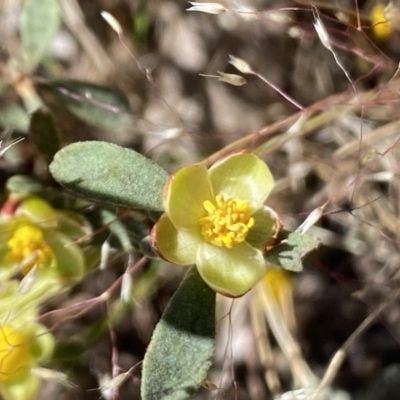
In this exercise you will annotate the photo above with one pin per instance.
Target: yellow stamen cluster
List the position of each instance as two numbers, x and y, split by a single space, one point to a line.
14 352
227 223
28 248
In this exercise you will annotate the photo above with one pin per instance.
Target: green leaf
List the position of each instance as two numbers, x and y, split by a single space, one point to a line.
117 228
292 248
111 174
180 351
14 116
39 24
25 185
45 133
96 105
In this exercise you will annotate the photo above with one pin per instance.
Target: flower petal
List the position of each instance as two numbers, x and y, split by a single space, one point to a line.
23 386
265 229
38 211
15 353
242 176
230 272
279 282
174 245
184 195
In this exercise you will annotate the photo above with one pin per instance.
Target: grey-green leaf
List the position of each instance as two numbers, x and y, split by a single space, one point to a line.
110 174
40 22
292 248
97 105
180 351
14 116
45 133
117 228
25 185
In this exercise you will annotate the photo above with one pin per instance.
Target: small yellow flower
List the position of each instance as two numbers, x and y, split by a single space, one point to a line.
279 282
34 234
216 219
27 248
382 21
23 344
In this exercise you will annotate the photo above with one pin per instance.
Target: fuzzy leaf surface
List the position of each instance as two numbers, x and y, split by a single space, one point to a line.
97 105
180 351
39 23
292 248
110 174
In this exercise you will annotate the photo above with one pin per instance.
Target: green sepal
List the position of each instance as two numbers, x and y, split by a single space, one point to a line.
70 262
291 248
180 351
74 225
146 248
265 228
42 343
110 174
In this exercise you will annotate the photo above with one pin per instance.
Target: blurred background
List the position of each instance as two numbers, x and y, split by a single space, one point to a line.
320 105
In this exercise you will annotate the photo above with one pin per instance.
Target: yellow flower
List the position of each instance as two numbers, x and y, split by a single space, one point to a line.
21 348
27 248
14 352
279 281
33 233
216 219
382 21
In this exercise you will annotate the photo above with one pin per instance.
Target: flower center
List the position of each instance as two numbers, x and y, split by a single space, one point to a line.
28 248
227 223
